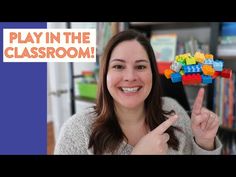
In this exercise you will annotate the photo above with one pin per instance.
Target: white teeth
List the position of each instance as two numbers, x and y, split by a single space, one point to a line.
128 90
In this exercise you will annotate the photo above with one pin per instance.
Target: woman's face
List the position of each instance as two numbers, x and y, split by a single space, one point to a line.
129 77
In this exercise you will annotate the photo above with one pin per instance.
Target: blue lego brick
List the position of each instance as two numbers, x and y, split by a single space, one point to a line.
208 62
192 68
218 65
206 79
176 77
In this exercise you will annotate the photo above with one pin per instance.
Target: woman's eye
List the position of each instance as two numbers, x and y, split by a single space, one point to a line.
118 67
141 67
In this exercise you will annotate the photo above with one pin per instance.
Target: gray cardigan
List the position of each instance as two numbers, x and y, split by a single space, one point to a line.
75 133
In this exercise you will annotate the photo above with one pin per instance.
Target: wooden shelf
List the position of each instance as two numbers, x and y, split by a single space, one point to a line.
226 51
230 58
169 25
86 99
151 23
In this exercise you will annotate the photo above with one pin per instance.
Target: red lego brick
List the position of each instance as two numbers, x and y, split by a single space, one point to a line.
191 79
226 73
162 66
216 74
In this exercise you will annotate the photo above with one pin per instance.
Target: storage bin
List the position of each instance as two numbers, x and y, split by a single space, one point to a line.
88 90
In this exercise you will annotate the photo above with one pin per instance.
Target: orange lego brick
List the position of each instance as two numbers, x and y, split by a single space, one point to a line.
208 70
209 56
168 73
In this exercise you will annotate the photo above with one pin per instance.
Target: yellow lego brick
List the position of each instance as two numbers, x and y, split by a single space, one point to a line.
181 72
186 55
199 57
190 61
179 58
182 58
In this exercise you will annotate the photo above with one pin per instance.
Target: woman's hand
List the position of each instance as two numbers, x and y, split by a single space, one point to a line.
204 123
155 142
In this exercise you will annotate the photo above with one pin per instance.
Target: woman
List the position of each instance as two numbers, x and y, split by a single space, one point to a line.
131 116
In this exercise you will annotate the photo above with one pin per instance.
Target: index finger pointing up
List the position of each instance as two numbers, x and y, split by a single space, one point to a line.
198 102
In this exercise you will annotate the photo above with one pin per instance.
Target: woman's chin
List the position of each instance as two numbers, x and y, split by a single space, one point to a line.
130 105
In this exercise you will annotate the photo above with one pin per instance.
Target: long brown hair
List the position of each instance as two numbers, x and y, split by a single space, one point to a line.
107 134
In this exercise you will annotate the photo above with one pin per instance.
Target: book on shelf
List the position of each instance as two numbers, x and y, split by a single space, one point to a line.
226 50
224 101
105 30
164 46
228 40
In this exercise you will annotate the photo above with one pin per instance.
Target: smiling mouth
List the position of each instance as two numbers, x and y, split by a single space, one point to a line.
130 89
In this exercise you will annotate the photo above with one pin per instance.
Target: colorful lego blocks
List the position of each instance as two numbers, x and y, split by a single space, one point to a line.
197 69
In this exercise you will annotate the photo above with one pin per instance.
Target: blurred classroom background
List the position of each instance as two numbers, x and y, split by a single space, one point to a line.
72 86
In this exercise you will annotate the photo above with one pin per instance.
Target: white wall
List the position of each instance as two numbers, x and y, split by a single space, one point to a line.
56 25
49 101
52 25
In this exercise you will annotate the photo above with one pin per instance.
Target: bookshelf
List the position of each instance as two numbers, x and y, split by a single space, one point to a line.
212 32
205 32
226 105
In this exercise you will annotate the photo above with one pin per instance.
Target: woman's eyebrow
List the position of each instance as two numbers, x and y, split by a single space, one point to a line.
116 59
142 60
123 61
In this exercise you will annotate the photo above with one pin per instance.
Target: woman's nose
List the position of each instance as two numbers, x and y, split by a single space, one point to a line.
130 75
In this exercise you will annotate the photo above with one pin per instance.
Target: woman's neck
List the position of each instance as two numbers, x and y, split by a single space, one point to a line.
128 116
132 122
